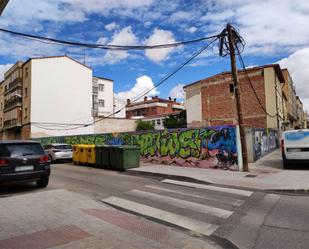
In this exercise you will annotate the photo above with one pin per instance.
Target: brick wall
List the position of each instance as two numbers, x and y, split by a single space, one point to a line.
25 132
218 104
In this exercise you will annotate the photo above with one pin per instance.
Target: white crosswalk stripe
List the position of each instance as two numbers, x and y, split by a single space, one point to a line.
234 203
193 209
221 213
209 187
175 219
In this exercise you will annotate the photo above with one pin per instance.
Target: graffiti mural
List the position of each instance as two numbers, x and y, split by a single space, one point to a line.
211 147
265 141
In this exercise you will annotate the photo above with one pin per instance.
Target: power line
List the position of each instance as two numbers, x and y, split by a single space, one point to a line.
160 82
100 46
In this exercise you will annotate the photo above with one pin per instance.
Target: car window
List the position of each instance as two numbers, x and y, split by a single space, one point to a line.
21 149
63 147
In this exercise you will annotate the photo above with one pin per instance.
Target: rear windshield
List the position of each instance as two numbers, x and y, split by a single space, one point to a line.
23 149
63 147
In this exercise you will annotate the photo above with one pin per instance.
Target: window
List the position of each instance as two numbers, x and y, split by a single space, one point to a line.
101 103
26 92
158 121
26 113
101 87
26 72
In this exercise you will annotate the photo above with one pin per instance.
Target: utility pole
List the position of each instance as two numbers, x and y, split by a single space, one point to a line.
240 120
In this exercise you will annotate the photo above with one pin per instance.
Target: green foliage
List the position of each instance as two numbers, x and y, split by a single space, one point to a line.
144 125
176 121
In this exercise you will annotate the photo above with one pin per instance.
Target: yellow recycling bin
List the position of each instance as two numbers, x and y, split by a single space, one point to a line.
76 153
90 151
83 157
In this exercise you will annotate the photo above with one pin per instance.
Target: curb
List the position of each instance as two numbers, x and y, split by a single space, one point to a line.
163 176
193 180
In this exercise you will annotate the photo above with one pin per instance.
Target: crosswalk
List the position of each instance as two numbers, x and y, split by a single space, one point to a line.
196 207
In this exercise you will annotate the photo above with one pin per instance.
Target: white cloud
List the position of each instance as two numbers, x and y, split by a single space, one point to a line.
3 69
298 64
124 37
142 84
177 92
102 40
181 16
192 29
159 36
111 26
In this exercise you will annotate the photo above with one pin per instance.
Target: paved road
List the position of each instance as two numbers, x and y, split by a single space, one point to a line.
247 219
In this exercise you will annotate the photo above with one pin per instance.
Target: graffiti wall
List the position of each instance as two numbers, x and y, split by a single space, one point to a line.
211 147
265 141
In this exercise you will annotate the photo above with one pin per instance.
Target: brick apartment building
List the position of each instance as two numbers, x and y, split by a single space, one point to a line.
210 102
154 109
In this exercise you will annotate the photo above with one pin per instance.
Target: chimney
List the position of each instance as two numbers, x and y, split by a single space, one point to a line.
128 101
169 98
145 98
175 100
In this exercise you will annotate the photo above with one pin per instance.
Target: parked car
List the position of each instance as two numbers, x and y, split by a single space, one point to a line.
57 152
295 147
24 161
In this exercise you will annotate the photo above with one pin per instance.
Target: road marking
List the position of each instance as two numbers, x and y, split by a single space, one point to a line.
233 202
165 216
209 187
221 213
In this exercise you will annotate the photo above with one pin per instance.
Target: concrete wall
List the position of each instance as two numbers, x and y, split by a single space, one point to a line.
212 147
108 125
61 92
193 106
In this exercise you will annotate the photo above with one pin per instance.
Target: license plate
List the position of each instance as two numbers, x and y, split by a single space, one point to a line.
24 168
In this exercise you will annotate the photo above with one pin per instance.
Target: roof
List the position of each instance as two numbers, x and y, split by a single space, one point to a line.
162 115
275 66
152 100
57 56
102 78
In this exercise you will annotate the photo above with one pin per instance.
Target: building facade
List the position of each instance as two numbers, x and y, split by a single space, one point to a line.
153 107
290 93
102 97
211 101
48 96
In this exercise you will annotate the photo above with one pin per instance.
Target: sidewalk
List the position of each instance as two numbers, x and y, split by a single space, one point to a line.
265 174
61 219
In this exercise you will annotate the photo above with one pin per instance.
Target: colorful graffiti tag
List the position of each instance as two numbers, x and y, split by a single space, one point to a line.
265 141
212 147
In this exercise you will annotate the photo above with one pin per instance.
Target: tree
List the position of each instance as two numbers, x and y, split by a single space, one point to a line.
144 125
176 121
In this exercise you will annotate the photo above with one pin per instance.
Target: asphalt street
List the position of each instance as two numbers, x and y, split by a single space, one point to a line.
245 219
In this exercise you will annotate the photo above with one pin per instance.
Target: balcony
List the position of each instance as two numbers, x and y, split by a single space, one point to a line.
13 85
12 103
13 123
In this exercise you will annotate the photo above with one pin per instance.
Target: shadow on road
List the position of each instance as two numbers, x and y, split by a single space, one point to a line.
10 189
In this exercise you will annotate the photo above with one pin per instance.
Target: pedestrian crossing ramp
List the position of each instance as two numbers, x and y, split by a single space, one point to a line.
195 207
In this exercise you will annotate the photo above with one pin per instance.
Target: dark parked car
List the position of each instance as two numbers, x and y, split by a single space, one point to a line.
24 161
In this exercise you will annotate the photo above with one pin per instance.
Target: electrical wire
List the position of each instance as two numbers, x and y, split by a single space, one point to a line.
101 46
160 82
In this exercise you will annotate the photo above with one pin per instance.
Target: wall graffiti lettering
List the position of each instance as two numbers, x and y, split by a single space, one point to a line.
209 147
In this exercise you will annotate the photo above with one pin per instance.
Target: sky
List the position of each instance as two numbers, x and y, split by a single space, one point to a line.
275 31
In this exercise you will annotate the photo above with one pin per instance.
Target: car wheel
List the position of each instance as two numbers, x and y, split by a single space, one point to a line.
42 183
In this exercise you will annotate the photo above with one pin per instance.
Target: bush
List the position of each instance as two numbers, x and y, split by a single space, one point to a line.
144 125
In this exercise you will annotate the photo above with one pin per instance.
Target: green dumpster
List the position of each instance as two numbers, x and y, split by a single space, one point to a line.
103 157
124 157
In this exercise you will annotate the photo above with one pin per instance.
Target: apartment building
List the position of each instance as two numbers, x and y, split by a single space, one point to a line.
153 107
11 102
300 114
211 101
290 93
47 96
102 97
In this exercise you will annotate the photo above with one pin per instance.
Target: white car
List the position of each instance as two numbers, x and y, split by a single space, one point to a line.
57 152
295 147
